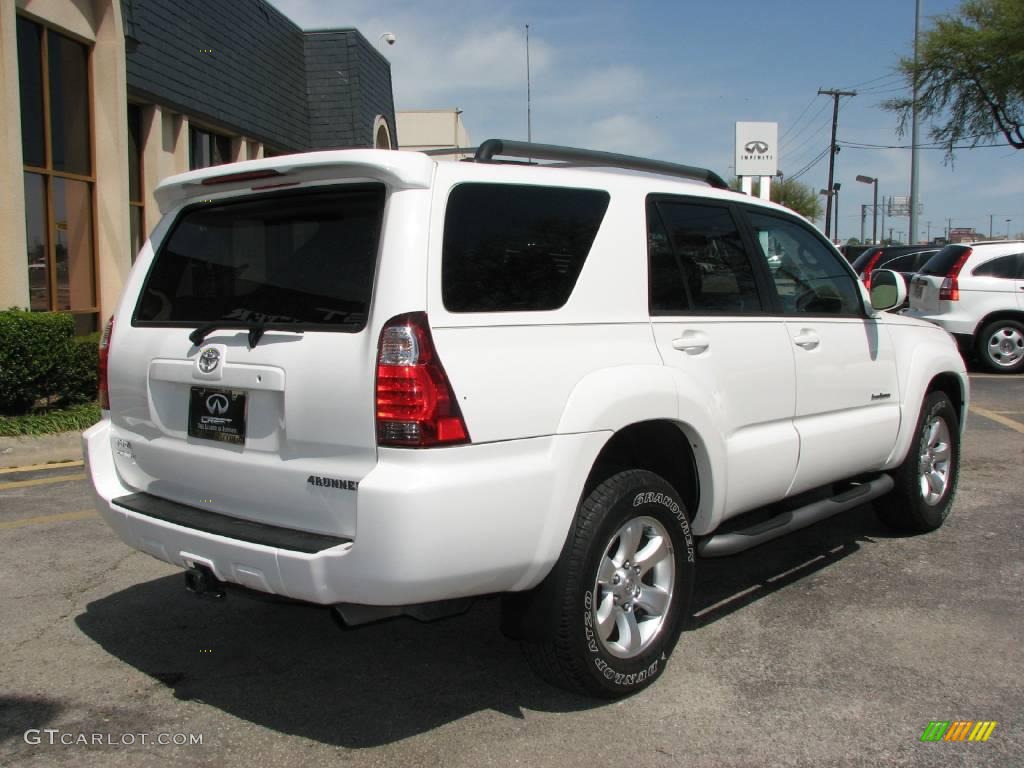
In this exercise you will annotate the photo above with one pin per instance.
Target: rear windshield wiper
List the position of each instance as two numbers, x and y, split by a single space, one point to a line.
256 330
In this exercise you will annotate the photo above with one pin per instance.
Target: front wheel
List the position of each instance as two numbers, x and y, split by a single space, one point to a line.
620 590
1000 346
926 480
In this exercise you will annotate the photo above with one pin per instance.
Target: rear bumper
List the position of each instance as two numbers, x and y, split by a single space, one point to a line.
431 525
956 323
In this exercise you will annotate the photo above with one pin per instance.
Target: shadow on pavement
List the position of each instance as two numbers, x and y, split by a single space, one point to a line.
289 668
20 713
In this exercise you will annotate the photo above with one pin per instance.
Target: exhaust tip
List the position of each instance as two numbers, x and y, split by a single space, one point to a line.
200 581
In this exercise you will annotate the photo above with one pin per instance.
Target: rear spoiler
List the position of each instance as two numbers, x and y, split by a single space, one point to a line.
403 170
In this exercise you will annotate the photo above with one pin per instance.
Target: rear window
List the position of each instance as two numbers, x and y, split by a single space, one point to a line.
305 258
516 248
943 261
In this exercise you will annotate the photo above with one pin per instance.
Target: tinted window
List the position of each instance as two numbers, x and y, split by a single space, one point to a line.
908 262
1010 267
30 82
809 276
516 248
305 258
942 262
69 105
697 262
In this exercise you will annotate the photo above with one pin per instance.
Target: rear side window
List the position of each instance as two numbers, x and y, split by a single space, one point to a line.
1009 267
908 262
306 258
697 260
942 262
516 248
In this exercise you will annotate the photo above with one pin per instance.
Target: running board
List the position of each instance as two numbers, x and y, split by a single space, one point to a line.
723 544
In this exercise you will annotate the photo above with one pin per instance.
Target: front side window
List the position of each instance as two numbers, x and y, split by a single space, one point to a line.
697 262
809 277
58 172
307 259
516 248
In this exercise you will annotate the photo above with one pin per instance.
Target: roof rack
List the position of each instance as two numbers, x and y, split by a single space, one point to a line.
486 152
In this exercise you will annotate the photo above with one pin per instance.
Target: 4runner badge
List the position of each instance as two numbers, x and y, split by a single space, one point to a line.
208 360
333 482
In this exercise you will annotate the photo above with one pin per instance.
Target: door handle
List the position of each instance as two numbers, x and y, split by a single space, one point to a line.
692 342
807 339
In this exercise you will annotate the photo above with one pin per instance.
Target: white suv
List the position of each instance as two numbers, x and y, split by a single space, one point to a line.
376 381
976 292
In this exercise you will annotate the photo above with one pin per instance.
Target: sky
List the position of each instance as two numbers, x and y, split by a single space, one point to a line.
669 79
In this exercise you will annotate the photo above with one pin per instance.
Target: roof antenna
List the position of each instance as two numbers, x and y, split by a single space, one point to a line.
529 121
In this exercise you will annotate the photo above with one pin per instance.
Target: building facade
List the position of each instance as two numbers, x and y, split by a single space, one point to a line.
104 98
426 129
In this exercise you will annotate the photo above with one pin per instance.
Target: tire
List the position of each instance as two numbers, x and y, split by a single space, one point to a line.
1000 346
926 480
613 617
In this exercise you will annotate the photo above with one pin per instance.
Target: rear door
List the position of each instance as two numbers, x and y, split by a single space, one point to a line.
847 393
274 424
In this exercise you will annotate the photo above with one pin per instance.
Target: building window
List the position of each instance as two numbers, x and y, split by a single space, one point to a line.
59 181
206 148
136 207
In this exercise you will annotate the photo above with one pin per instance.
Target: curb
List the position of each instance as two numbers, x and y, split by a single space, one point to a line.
40 449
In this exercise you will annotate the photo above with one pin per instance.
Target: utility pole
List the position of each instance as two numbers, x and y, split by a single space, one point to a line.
863 218
990 226
949 228
914 169
832 148
929 232
883 217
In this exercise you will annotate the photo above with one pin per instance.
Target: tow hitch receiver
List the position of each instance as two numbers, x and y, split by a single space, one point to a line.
200 581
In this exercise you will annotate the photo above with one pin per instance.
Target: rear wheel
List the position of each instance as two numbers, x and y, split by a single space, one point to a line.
620 590
1000 346
926 480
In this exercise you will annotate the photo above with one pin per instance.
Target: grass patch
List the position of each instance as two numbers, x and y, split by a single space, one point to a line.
73 419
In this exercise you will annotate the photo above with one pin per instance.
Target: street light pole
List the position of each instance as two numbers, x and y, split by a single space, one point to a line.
874 222
1008 228
835 193
914 165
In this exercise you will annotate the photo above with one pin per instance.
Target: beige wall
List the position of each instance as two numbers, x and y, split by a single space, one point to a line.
97 22
13 248
431 129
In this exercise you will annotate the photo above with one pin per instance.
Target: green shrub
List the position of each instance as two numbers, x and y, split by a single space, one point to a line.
78 377
34 346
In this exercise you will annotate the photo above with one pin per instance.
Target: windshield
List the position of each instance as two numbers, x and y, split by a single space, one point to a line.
306 258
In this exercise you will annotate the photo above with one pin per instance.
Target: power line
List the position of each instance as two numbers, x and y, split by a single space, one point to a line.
875 80
806 168
796 122
806 126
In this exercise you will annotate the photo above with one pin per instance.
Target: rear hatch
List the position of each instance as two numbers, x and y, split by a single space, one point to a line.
937 279
242 364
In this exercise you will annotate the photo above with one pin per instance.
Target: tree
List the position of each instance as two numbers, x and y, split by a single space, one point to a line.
970 76
792 194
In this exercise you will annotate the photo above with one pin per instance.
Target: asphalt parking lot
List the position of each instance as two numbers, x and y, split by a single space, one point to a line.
835 646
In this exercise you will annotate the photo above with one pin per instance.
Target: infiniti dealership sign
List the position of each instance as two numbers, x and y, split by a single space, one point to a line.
757 149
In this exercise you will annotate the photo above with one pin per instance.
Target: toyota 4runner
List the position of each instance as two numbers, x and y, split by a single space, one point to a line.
388 384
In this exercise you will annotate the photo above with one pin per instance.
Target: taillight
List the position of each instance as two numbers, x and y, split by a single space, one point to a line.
108 331
950 288
416 406
872 263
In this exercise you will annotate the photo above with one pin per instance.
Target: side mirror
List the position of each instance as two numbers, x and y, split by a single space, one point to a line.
888 289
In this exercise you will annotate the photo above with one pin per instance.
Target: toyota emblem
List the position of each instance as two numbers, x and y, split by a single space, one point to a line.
217 404
209 360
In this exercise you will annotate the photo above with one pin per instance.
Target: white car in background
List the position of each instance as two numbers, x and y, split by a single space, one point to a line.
976 292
